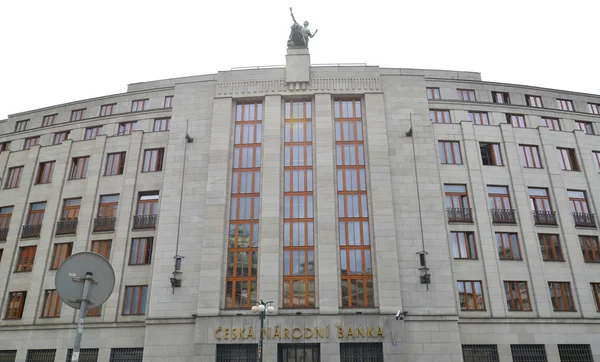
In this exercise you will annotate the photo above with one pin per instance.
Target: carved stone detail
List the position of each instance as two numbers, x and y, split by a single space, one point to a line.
315 85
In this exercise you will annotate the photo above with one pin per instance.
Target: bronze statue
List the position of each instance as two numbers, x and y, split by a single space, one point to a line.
300 34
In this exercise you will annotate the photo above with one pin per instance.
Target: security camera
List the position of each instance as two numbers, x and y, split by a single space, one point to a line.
399 315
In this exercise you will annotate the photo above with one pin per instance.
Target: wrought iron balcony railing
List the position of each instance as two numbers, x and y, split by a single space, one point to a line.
582 219
66 227
503 216
144 221
3 233
545 217
105 223
31 231
459 214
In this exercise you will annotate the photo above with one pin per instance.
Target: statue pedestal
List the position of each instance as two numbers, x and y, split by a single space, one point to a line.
297 65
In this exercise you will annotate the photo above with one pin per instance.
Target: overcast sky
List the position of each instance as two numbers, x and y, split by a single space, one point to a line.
61 51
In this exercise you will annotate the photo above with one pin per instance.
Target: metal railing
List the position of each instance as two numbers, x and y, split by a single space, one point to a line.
459 214
31 231
544 217
105 223
3 234
581 219
144 221
65 227
503 216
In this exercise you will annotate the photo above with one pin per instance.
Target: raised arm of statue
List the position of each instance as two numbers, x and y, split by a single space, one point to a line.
293 18
315 33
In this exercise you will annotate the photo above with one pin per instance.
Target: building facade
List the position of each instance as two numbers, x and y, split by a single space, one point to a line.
399 214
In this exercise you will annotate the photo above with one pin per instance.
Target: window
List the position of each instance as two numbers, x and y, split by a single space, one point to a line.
463 245
551 123
480 353
168 101
15 305
567 159
108 206
153 160
49 120
78 114
500 206
590 248
36 213
480 118
594 108
128 354
528 353
135 300
30 142
52 304
92 132
440 116
466 94
115 163
71 209
21 125
59 137
578 201
490 154
242 250
534 101
433 93
450 152
596 291
353 213
107 109
45 172
586 127
470 295
296 352
596 155
61 252
102 247
351 352
162 124
298 219
575 353
4 146
147 210
141 251
13 180
508 246
517 120
26 258
517 296
79 168
530 156
565 104
236 352
140 105
126 128
500 97
550 247
457 203
541 207
85 354
5 216
560 293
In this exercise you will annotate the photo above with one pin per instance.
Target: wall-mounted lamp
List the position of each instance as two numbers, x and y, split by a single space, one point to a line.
425 275
177 273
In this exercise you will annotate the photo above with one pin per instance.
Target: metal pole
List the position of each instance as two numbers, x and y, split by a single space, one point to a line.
82 309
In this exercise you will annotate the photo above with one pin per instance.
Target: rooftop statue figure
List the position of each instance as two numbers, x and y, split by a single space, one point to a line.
299 35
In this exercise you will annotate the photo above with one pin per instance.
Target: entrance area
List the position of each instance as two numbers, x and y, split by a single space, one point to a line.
361 352
237 352
298 353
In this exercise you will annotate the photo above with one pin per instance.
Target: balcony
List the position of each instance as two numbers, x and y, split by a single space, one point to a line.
503 216
3 233
144 221
581 219
459 214
66 227
31 231
105 223
545 217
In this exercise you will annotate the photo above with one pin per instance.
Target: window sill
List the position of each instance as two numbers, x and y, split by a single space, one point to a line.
511 259
550 260
466 258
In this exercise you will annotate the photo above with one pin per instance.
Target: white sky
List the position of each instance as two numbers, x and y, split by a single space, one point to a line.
61 51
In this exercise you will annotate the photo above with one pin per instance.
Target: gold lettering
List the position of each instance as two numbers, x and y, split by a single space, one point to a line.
340 332
266 332
251 332
277 333
226 336
233 333
286 333
242 330
320 332
218 333
294 336
350 332
360 331
379 331
307 331
370 332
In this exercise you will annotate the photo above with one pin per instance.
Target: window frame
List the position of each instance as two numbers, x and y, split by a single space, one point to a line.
504 239
466 243
508 296
138 308
552 123
534 101
565 105
126 128
30 142
140 105
141 254
434 92
567 159
149 204
596 292
590 247
153 160
551 251
59 137
115 164
70 211
494 154
503 198
25 259
108 208
60 252
22 125
536 159
102 247
596 155
454 150
10 305
467 95
516 120
168 102
5 216
36 214
500 97
78 114
52 304
594 108
480 118
92 132
540 200
473 295
45 172
567 294
48 120
586 126
107 109
162 124
13 182
440 114
79 168
4 146
463 197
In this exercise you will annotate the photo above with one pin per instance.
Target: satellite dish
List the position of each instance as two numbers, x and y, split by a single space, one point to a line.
71 276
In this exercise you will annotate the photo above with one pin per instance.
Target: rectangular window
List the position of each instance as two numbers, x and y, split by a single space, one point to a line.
528 353
567 159
140 105
499 198
450 152
30 142
596 291
52 304
463 245
298 223
162 124
15 305
541 207
61 252
242 248
594 108
115 163
500 97
551 123
4 146
590 248
596 155
78 114
565 104
517 296
59 137
353 214
102 247
480 353
135 300
575 353
578 201
440 116
147 203
490 154
92 132
45 172
141 251
550 247
433 93
586 127
13 180
126 128
480 118
26 259
456 196
153 160
562 299
108 206
530 156
70 209
36 213
21 125
296 352
5 216
79 168
49 120
470 294
517 120
534 101
466 95
107 109
508 246
168 101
